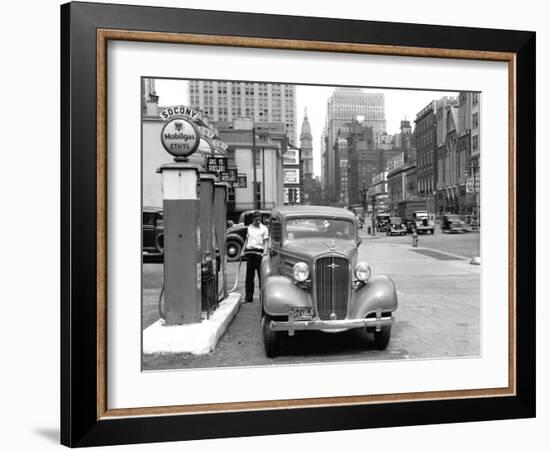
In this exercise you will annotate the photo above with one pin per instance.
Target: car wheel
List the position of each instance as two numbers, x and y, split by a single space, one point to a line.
431 231
382 338
233 250
159 243
271 340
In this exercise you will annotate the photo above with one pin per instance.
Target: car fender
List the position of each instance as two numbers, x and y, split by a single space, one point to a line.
279 294
378 293
235 237
265 268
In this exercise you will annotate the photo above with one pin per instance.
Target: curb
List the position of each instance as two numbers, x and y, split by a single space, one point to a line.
196 338
463 258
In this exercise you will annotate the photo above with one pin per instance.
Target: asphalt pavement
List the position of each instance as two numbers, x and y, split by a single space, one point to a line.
438 314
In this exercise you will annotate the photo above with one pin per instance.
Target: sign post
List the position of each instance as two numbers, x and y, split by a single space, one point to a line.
230 176
216 164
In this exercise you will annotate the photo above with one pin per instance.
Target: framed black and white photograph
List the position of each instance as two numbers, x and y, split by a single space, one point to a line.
277 224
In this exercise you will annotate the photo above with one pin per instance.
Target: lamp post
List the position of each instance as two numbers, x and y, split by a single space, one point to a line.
476 259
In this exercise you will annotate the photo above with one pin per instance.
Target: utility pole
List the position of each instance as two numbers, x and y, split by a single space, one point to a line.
263 177
255 183
373 217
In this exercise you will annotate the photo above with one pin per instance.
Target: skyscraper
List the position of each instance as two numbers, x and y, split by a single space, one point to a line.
345 105
306 146
263 102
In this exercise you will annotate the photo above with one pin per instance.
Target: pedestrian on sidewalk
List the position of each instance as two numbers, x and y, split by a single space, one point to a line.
255 248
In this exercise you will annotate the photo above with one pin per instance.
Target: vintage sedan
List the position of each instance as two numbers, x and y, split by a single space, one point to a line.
312 279
153 230
396 226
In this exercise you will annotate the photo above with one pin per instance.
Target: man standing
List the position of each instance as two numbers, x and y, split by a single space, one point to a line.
256 247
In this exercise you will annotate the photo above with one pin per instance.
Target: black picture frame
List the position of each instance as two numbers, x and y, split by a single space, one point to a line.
82 422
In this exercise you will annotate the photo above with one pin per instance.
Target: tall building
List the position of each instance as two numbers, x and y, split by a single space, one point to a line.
262 102
426 154
456 120
306 145
364 160
345 105
405 142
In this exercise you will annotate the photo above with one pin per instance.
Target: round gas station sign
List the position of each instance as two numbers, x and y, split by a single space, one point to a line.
180 137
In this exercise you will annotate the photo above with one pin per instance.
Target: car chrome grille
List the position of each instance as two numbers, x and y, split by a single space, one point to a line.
332 287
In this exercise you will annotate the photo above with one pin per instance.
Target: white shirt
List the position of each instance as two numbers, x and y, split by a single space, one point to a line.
257 236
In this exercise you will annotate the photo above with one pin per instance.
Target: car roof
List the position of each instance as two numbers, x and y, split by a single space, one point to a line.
309 211
250 211
152 209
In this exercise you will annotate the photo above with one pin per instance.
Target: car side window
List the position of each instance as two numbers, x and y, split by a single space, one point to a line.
148 219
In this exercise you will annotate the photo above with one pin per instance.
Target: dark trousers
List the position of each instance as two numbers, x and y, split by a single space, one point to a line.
253 263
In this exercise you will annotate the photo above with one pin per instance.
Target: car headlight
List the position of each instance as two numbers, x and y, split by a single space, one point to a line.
301 272
362 271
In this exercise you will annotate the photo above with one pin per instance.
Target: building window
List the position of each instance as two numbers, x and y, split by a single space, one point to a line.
475 143
475 120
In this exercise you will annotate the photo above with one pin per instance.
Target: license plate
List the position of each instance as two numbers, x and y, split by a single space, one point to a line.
302 313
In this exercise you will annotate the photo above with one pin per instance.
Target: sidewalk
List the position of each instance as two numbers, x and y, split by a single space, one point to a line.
196 338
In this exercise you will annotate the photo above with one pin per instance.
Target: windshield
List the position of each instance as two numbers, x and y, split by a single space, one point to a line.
316 227
395 220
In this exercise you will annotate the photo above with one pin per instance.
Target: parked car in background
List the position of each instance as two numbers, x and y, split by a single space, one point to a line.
454 223
396 226
152 235
153 230
382 221
312 279
235 236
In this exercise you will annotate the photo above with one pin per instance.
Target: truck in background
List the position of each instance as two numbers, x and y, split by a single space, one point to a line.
415 214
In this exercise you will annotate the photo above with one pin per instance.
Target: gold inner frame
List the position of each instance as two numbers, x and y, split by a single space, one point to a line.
104 35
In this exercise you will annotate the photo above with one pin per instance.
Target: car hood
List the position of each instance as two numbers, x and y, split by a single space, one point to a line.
317 247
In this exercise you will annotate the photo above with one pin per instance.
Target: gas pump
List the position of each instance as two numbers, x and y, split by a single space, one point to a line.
182 241
192 236
182 252
208 257
220 218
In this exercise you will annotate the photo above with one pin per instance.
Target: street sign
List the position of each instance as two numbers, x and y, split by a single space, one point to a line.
470 188
216 164
230 176
241 180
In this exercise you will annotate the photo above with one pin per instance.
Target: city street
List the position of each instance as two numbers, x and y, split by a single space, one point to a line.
438 314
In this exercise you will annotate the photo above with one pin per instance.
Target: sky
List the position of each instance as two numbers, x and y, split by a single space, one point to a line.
400 104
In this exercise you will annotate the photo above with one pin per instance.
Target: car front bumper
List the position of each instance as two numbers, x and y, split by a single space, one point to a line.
335 325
